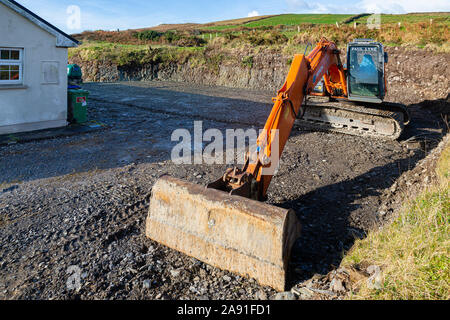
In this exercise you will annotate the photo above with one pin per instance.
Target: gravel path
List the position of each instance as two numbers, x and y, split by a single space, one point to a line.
77 205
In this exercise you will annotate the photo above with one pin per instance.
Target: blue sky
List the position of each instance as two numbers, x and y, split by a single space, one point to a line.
129 14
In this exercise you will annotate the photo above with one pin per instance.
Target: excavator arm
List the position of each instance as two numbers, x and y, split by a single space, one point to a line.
253 180
239 234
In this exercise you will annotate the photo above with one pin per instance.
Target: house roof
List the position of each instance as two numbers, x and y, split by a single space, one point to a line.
62 39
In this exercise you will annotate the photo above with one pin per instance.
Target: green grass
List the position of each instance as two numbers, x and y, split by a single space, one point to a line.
413 251
277 32
99 47
287 20
136 55
126 54
220 28
297 19
411 18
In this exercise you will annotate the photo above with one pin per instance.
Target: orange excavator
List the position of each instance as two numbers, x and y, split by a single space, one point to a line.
227 224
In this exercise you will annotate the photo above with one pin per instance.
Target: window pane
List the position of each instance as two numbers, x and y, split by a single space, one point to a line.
14 75
4 55
14 68
15 54
4 75
364 71
4 68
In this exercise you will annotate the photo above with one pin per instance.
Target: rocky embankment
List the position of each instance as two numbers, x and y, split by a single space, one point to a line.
413 76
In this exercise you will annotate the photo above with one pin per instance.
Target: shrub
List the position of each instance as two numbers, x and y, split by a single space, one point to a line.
150 35
190 42
247 61
171 36
271 38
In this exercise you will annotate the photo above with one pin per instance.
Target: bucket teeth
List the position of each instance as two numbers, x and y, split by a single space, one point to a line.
233 233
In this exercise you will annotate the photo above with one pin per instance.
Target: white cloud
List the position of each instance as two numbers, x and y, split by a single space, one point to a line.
254 13
302 6
404 6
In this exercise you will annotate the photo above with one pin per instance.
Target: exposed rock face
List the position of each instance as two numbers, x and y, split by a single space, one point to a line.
267 72
413 76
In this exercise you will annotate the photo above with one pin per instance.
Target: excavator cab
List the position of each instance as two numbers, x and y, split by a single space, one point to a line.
365 71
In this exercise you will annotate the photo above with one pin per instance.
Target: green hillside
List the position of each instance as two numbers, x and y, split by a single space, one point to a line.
323 19
296 19
412 18
289 20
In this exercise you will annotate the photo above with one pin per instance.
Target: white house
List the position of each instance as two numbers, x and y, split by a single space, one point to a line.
33 71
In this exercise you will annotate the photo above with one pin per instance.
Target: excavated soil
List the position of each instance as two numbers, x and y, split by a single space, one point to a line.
76 206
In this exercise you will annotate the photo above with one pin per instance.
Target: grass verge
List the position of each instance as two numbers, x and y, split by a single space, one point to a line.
413 251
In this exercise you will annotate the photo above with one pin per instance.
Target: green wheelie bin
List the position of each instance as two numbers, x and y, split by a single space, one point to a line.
77 105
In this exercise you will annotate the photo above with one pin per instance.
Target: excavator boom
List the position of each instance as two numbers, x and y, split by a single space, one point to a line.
303 76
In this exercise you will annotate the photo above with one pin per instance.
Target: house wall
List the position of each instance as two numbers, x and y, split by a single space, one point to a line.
36 104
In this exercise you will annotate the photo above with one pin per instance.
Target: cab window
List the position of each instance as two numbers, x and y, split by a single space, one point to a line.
364 72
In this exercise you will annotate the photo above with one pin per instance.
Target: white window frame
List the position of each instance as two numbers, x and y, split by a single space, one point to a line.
13 63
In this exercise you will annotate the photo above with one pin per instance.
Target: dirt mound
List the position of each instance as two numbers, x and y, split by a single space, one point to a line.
412 182
417 75
439 106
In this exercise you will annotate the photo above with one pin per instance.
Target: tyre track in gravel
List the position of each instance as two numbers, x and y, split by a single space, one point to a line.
194 117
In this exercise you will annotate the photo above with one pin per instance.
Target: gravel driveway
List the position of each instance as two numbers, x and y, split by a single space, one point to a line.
75 207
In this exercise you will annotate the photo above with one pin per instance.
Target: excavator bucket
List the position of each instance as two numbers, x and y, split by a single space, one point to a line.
232 233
